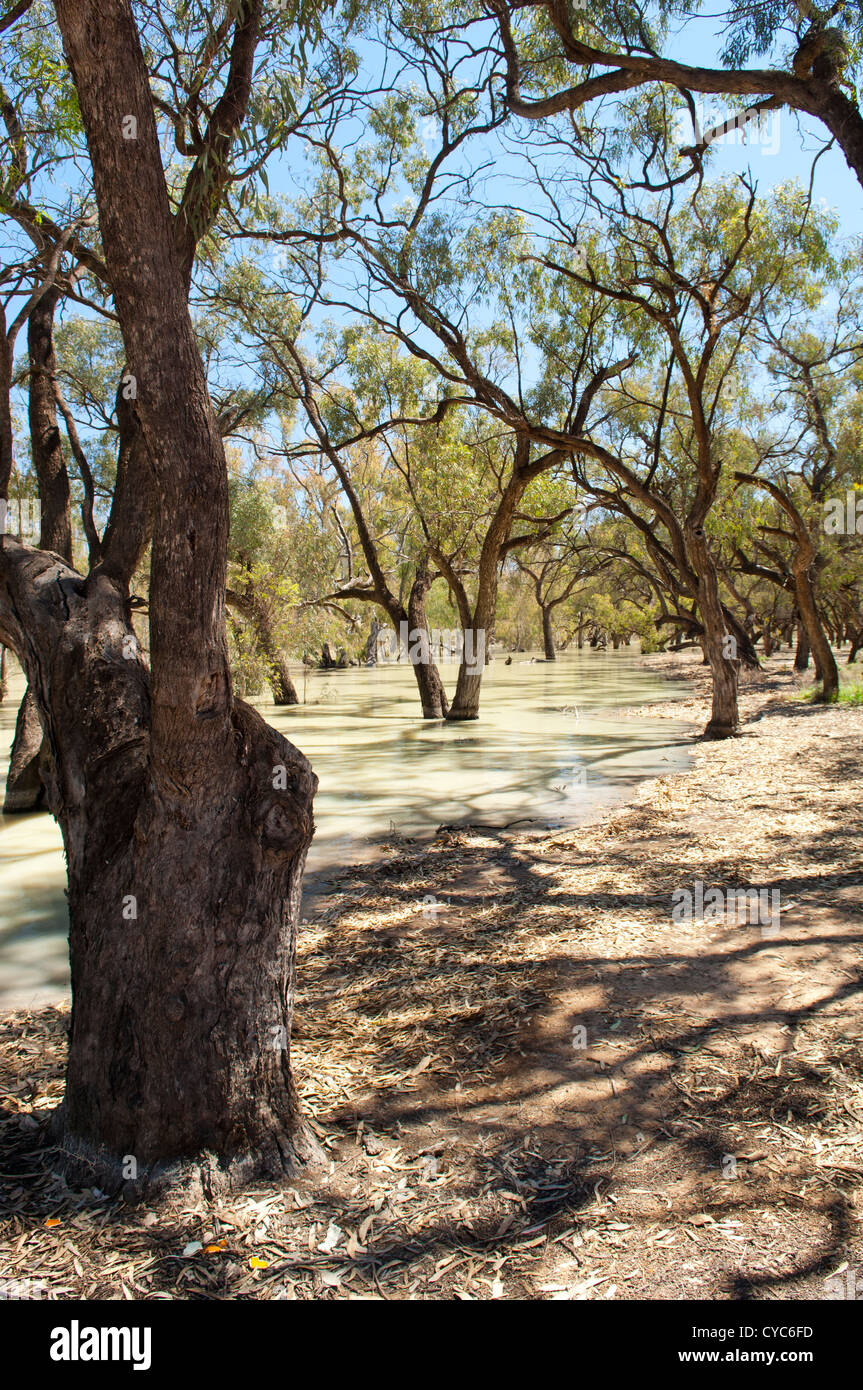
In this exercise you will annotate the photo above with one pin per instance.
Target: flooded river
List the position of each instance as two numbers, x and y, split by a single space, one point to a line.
547 749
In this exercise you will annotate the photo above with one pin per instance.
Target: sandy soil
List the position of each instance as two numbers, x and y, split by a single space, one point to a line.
540 1085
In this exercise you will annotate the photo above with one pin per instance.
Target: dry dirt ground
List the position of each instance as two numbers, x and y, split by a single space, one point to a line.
543 1087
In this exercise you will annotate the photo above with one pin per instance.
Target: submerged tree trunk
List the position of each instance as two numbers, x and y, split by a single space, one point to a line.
185 818
370 655
548 635
465 703
478 625
282 687
433 696
281 684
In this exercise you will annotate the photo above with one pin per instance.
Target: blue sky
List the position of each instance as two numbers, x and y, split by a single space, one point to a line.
790 140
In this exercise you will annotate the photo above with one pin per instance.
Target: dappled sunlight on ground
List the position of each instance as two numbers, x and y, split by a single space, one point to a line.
538 1084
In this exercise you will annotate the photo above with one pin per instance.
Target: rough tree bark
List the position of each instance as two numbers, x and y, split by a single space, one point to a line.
370 655
825 662
433 696
803 562
724 717
25 789
547 634
24 786
186 819
48 460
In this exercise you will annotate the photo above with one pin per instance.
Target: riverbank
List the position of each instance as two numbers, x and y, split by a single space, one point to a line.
540 753
701 1138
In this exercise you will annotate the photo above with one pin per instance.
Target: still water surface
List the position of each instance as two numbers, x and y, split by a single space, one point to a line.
547 749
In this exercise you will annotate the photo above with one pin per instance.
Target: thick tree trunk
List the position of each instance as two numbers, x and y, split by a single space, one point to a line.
432 694
465 703
183 903
548 635
724 716
186 820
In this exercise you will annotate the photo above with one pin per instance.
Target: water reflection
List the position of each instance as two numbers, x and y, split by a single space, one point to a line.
546 750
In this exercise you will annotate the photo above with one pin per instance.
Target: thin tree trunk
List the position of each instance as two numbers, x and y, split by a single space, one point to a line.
24 787
825 661
433 696
282 687
724 718
802 654
25 790
45 442
370 656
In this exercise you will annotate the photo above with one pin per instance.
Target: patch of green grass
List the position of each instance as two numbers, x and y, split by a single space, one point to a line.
849 694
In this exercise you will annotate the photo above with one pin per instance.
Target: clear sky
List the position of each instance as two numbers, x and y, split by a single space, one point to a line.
784 147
